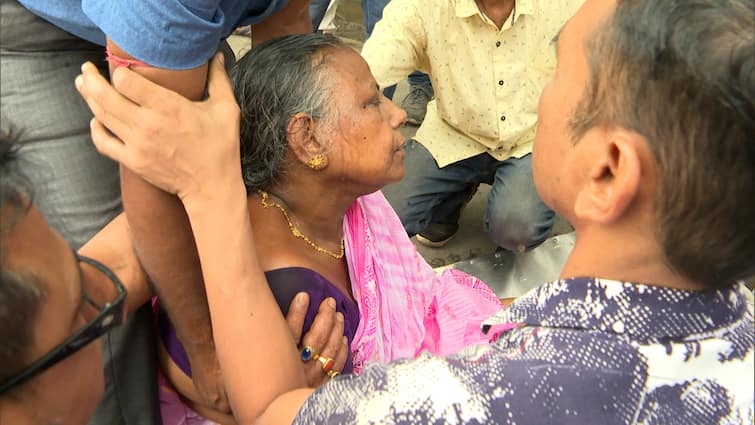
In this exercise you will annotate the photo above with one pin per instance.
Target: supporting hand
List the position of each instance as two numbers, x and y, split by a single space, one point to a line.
183 147
325 336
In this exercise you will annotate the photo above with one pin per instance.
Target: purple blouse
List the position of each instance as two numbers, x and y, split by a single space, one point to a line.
285 284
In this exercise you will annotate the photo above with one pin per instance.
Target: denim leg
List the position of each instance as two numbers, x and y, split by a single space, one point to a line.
428 194
516 218
421 79
373 12
317 10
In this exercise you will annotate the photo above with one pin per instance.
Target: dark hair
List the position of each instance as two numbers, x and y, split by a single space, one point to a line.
20 292
272 83
682 74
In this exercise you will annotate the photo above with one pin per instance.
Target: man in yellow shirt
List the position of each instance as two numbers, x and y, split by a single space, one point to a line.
488 61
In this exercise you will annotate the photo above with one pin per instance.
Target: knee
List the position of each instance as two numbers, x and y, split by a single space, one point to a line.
518 229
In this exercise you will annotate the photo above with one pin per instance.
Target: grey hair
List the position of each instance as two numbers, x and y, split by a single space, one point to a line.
272 83
682 74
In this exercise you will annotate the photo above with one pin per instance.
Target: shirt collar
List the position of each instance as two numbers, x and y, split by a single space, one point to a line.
467 8
642 312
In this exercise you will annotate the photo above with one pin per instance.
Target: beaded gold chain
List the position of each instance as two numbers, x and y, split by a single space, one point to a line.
295 230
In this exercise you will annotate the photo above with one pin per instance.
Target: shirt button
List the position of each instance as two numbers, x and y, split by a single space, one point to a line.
497 44
500 82
503 117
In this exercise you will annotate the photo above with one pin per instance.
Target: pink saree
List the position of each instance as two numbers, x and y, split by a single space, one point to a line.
405 306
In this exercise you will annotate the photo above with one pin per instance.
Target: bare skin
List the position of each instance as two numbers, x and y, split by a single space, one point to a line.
497 11
161 230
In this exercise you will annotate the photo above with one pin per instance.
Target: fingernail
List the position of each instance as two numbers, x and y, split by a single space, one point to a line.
83 66
221 58
331 302
79 81
91 123
345 341
339 317
301 298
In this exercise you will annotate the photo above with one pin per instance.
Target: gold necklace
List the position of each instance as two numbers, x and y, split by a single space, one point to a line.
295 230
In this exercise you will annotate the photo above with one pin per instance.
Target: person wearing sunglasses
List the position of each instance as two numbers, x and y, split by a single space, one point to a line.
54 302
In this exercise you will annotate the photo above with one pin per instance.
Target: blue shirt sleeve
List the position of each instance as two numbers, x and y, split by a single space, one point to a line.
172 34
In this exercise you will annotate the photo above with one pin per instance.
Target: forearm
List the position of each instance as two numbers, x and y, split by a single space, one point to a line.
112 247
161 232
253 341
292 19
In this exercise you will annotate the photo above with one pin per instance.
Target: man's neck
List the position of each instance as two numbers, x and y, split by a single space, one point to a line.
497 11
623 256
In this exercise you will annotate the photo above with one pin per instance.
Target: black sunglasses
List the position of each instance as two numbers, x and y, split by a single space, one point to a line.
110 315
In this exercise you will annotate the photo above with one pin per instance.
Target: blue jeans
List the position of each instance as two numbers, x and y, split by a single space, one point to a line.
515 218
317 9
373 12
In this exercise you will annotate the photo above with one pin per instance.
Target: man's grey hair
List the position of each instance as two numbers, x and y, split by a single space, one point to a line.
682 74
272 83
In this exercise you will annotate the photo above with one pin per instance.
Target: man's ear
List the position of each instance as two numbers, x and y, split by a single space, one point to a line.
613 179
300 134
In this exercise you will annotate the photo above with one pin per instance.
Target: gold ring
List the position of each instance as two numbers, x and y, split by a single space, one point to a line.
327 363
333 373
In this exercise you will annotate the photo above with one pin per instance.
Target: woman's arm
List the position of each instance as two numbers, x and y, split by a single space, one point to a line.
205 174
112 247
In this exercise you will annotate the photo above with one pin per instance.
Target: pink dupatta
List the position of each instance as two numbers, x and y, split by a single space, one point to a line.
405 306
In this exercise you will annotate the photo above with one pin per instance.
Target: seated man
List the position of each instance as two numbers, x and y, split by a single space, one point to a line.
488 62
645 145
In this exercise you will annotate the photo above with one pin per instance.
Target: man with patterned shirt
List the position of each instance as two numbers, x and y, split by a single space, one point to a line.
644 143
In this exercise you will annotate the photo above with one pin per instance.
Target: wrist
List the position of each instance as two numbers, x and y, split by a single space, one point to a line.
228 190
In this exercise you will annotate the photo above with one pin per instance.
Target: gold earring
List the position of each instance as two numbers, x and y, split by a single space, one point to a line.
318 162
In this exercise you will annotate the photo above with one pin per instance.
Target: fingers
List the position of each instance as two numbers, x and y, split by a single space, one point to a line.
107 105
319 334
342 355
297 312
218 85
138 89
107 144
336 338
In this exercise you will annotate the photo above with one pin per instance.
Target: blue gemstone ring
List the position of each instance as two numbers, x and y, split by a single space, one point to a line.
308 353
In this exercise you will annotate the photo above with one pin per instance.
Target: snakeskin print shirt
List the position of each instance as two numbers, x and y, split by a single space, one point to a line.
585 351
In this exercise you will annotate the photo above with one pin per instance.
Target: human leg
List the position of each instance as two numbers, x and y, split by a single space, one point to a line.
428 194
420 93
516 217
317 9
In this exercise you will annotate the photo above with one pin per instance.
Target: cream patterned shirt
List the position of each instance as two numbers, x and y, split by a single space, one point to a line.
487 81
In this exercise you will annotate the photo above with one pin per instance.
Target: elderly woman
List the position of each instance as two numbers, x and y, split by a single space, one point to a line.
318 142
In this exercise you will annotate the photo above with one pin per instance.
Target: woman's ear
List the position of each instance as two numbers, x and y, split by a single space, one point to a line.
300 134
614 175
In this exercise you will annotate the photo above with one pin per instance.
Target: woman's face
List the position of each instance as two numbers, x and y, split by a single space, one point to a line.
68 392
365 145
